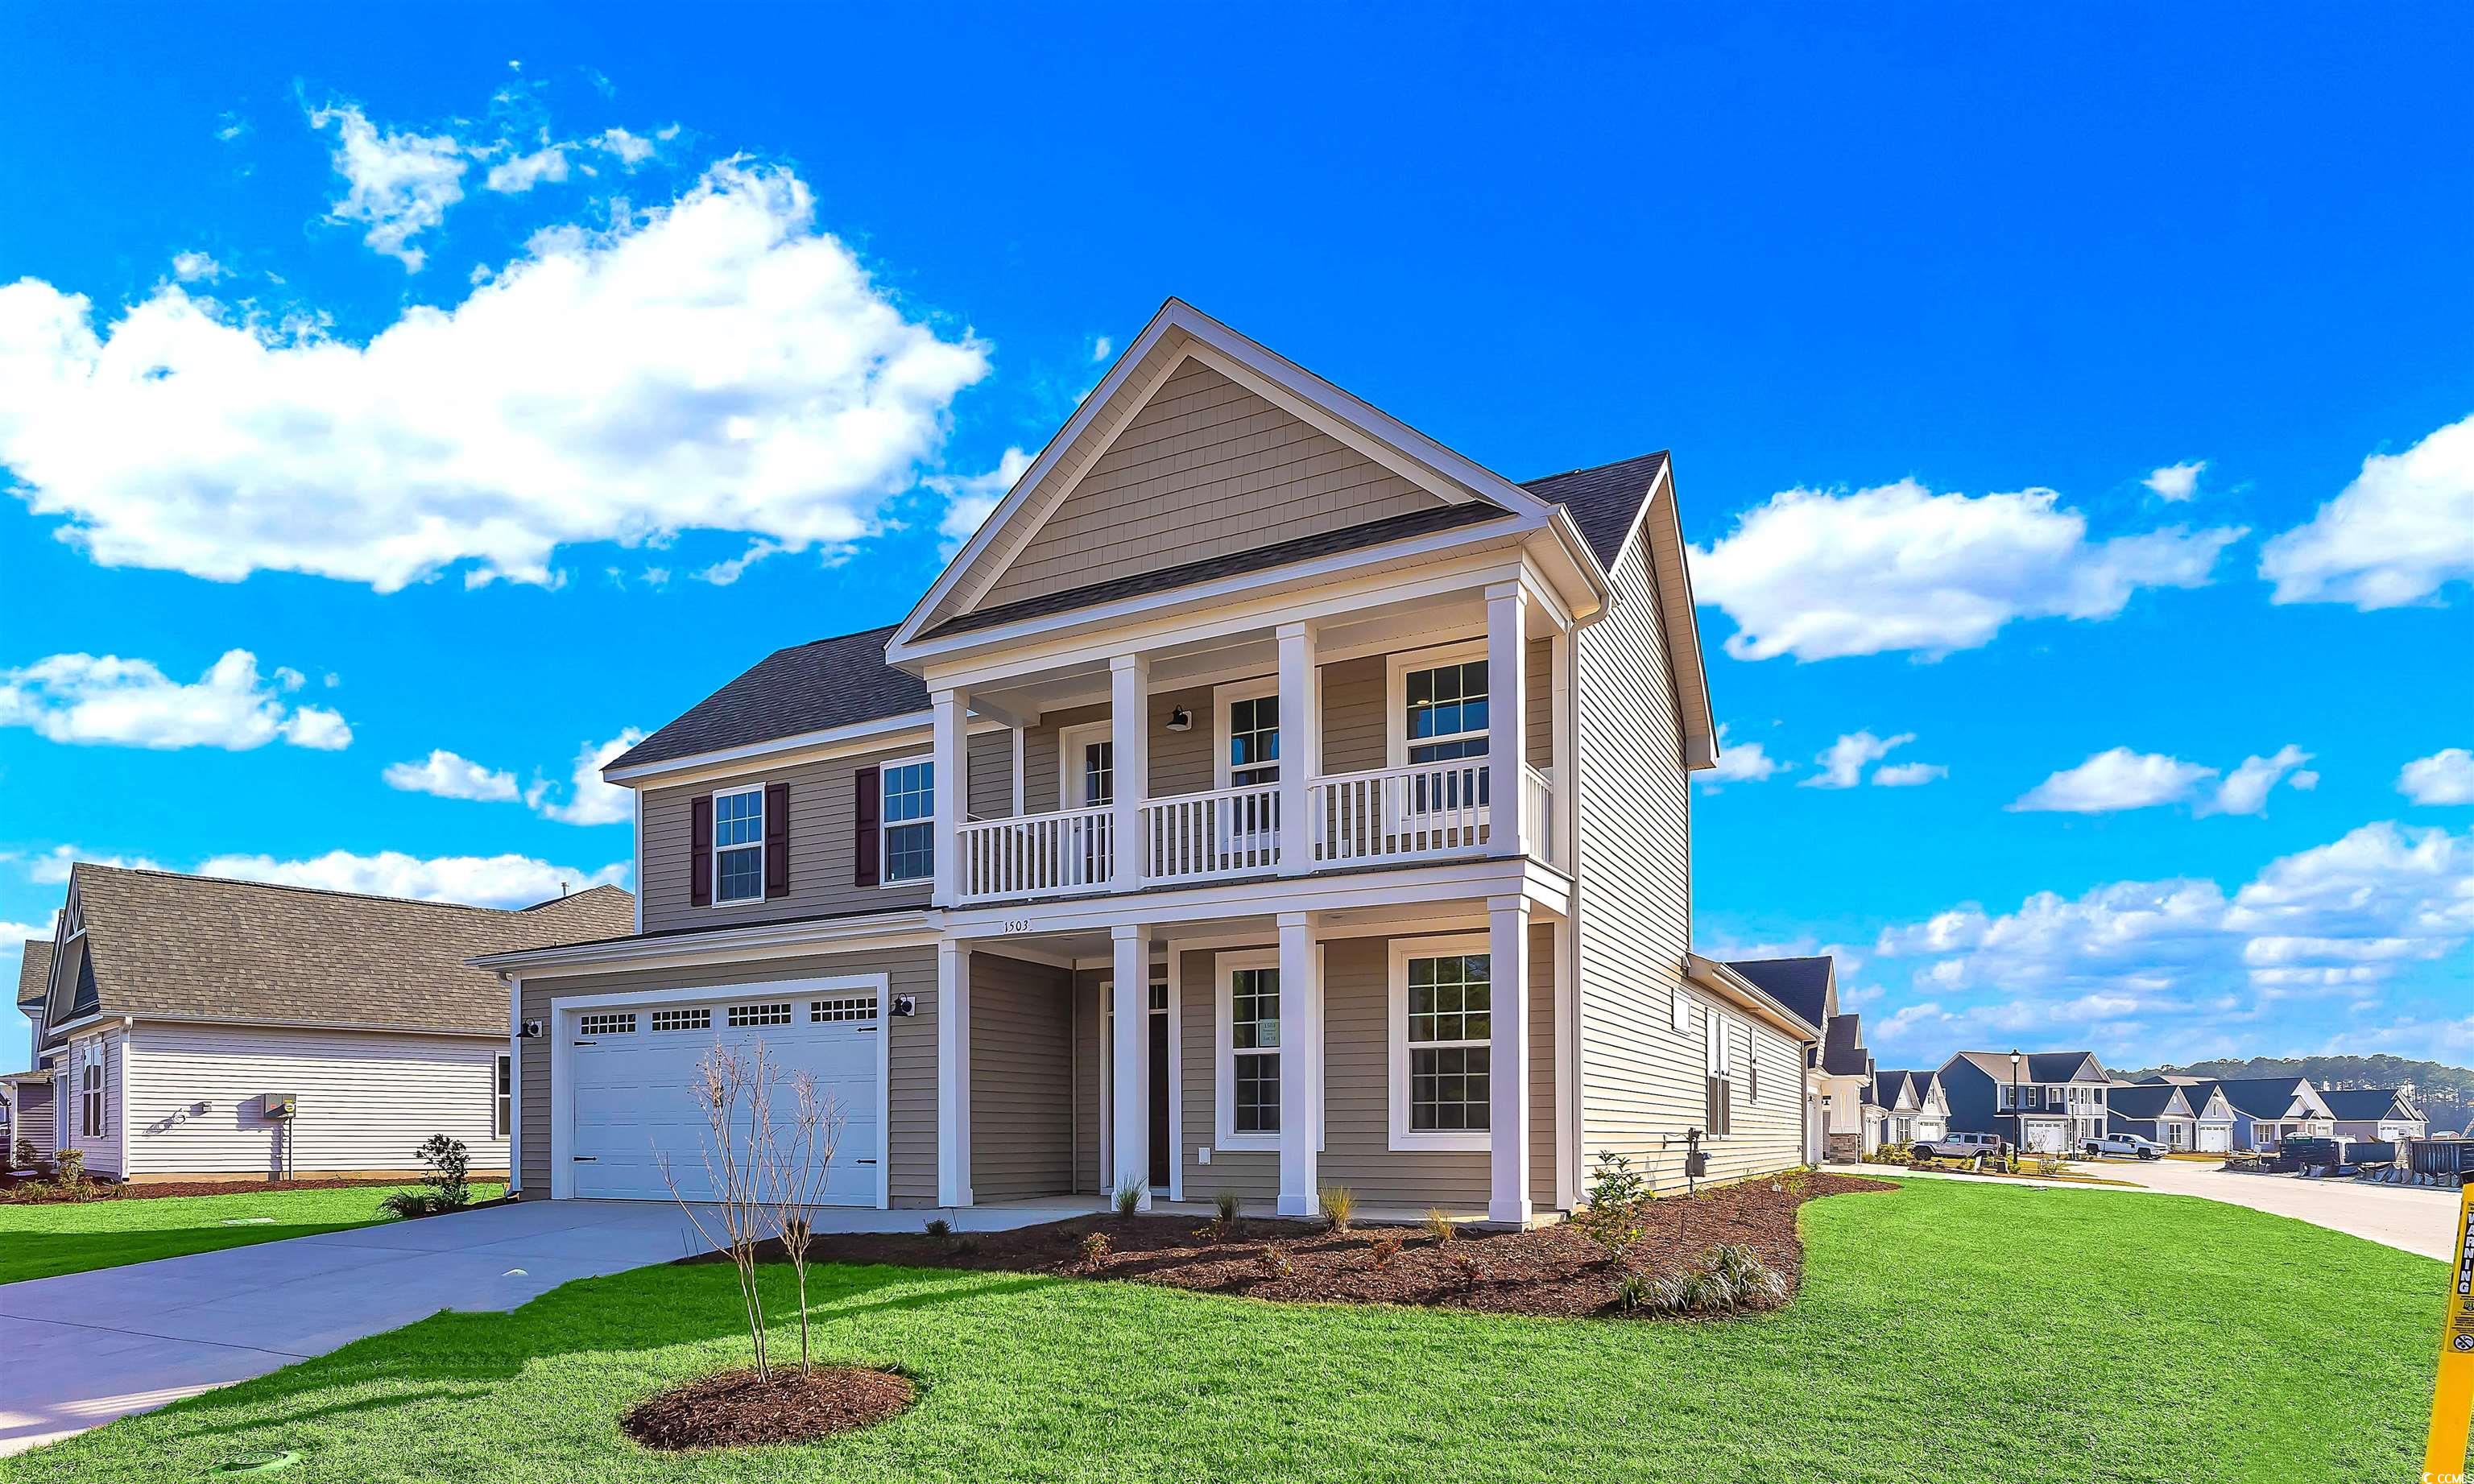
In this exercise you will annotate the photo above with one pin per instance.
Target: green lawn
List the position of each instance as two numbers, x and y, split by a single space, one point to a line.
1945 1332
41 1241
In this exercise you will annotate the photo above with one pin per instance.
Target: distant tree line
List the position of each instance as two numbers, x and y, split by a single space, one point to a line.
2445 1093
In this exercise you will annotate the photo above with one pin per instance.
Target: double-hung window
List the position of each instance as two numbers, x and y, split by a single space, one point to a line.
908 820
1442 1028
1253 998
1445 715
503 1106
1720 1086
1253 741
739 845
90 1090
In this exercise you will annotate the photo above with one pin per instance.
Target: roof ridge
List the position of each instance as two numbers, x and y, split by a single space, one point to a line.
358 896
1591 468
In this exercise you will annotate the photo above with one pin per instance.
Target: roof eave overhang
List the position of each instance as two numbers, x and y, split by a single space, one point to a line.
624 951
1720 980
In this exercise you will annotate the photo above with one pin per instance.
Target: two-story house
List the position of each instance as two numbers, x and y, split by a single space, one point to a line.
2046 1102
1266 796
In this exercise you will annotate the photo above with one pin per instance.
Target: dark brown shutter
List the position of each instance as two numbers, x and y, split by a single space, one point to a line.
701 851
777 840
866 814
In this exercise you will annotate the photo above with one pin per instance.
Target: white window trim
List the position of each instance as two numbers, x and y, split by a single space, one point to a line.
502 1096
1224 1091
1404 1137
1396 690
1070 742
713 888
883 859
1222 697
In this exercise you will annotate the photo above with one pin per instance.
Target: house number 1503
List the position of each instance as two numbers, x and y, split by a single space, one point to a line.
1017 924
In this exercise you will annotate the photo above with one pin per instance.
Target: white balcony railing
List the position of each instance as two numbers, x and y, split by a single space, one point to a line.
1038 855
1226 832
1401 814
1538 814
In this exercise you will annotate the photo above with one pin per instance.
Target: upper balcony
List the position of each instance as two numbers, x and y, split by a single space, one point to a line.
1373 739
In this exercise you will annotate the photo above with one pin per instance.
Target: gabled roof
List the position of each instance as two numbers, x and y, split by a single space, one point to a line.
2148 1099
1805 985
814 687
33 972
1606 501
1842 1047
2370 1104
169 946
2267 1097
2042 1066
1887 1088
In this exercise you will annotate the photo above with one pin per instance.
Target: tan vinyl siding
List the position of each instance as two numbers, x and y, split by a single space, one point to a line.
823 797
367 1099
1641 1079
1088 1019
1355 739
1180 761
1205 469
1022 1083
1539 722
991 775
910 1134
1357 1089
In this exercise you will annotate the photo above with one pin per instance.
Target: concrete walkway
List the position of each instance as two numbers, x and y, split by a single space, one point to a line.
86 1348
2406 1217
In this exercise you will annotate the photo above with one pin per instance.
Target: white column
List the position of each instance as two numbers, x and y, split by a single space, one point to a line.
1507 664
1300 746
953 1072
949 715
1508 1059
1563 843
1132 1139
1300 1063
1129 738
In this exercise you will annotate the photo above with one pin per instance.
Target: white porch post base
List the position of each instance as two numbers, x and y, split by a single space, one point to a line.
1301 1056
953 1073
1508 1059
1131 1132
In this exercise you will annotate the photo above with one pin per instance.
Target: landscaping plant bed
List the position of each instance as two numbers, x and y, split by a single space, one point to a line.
733 1409
1554 1271
31 1192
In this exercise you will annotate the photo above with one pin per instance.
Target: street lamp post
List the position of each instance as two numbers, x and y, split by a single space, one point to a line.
2018 1110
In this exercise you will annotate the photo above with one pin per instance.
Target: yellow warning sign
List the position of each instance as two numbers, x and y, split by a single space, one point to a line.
2452 1397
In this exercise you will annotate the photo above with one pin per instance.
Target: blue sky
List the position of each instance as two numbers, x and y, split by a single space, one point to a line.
445 370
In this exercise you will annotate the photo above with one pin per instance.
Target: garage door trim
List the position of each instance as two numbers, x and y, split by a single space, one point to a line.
563 1014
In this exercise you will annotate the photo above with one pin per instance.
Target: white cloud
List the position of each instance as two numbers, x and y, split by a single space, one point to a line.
1907 775
450 776
482 881
14 935
628 149
84 698
591 800
51 868
191 267
2445 777
1819 574
1844 760
716 364
1102 348
2177 482
969 498
730 570
2398 534
1739 763
400 184
234 126
2119 779
2245 789
523 171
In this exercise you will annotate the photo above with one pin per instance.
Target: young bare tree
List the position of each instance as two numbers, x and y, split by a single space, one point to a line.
798 1155
730 1086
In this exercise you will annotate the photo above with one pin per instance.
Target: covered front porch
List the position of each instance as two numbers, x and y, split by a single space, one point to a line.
1416 1053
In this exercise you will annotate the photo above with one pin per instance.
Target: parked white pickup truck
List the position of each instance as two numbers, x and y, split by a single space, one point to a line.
2123 1144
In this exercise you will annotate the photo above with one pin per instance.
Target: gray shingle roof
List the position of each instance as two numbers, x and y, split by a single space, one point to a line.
1885 1088
1842 1047
843 681
199 947
34 970
2262 1097
2043 1066
1801 985
2144 1099
2349 1103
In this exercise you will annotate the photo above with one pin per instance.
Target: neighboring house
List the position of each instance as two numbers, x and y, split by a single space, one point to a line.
1836 1067
2153 1110
2046 1101
2211 1116
176 1013
28 1093
2263 1111
2385 1115
1913 1105
1264 796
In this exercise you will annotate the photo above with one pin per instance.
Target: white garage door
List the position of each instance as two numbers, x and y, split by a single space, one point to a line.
2216 1141
2046 1138
632 1071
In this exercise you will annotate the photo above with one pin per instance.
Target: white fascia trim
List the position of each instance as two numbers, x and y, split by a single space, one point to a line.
561 1080
907 928
783 751
1725 981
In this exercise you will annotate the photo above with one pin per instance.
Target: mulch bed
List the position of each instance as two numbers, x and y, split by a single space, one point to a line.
1554 1271
733 1409
36 1192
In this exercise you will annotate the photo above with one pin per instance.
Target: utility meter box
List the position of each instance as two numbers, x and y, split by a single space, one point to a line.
278 1106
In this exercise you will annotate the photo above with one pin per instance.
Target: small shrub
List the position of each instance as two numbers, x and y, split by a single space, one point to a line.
967 1246
1893 1152
1799 1182
1339 1204
940 1227
1729 1278
69 1181
1224 1207
448 1164
1276 1260
1129 1197
1467 1265
1385 1247
1096 1251
1616 1215
2051 1165
1632 1291
1441 1227
22 1157
407 1203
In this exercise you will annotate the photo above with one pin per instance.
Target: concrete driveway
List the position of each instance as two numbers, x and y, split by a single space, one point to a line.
2406 1217
86 1348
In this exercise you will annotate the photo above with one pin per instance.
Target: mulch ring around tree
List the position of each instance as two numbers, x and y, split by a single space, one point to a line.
733 1409
1554 1271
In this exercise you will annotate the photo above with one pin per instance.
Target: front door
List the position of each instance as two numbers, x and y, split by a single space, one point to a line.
1161 1150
